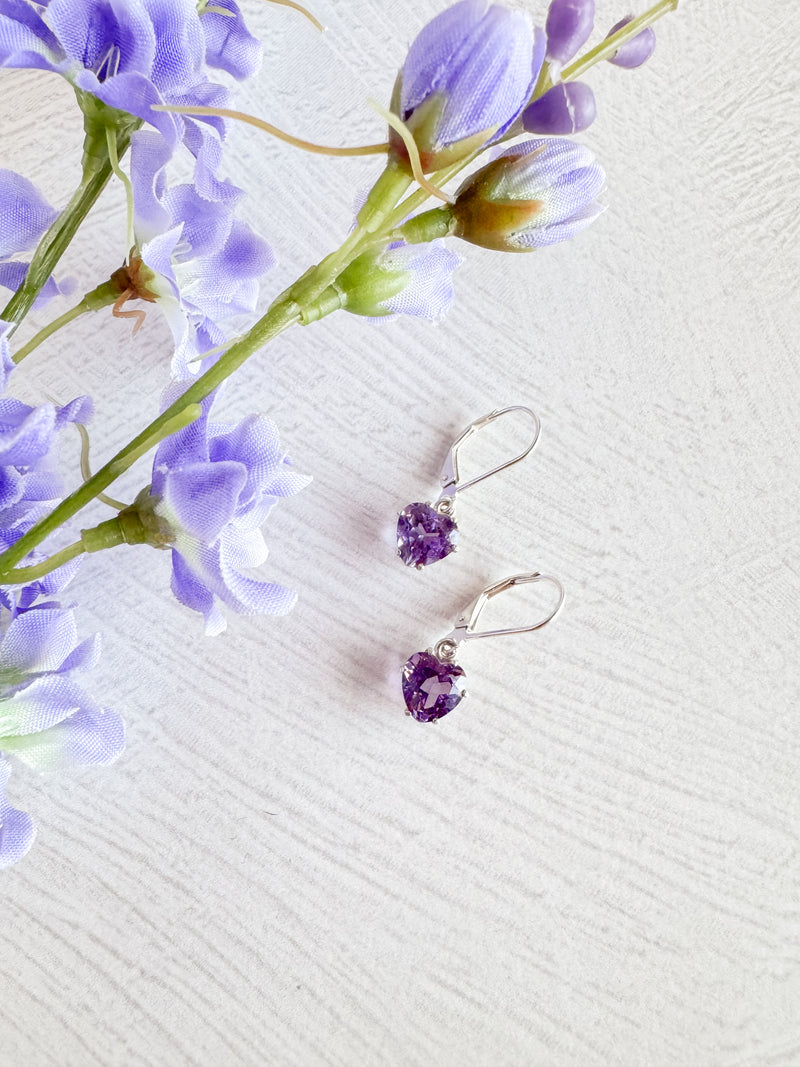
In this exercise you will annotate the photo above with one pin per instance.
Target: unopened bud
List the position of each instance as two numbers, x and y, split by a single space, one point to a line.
635 51
569 23
568 107
535 194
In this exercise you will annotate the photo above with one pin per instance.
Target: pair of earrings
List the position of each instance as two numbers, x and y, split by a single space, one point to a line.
433 683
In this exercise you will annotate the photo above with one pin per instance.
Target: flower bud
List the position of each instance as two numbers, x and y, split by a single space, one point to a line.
415 279
569 23
535 194
635 51
568 107
465 80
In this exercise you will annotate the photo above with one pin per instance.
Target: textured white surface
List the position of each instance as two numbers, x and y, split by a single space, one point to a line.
595 859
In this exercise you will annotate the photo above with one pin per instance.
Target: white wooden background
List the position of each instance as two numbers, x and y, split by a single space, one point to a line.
595 859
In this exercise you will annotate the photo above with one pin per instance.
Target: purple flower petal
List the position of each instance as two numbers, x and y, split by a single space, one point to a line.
25 214
429 292
194 594
473 64
38 641
202 498
88 737
229 44
16 827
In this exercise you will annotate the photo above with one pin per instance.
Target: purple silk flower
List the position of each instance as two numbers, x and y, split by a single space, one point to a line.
46 719
532 195
24 217
128 53
214 485
206 262
466 78
30 482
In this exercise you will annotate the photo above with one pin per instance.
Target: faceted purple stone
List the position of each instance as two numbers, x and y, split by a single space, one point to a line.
424 535
431 687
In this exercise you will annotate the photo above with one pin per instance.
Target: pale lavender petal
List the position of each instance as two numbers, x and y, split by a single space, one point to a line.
180 44
246 596
480 63
150 154
16 827
253 443
429 292
90 736
25 214
25 40
206 224
134 93
89 30
81 410
194 594
560 231
47 700
491 77
432 51
202 498
38 641
229 44
25 433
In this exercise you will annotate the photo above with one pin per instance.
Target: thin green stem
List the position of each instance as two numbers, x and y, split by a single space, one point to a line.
23 575
284 312
47 331
97 171
111 141
610 45
179 414
102 296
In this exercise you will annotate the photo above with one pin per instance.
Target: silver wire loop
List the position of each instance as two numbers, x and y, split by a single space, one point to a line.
464 629
449 475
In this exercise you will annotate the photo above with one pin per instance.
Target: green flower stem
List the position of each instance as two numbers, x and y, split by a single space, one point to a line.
610 45
184 411
383 196
286 311
429 226
97 170
101 297
23 575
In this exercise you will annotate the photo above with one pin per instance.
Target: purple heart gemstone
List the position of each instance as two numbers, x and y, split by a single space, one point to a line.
431 687
424 535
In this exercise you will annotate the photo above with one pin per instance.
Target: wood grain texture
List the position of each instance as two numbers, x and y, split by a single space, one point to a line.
593 862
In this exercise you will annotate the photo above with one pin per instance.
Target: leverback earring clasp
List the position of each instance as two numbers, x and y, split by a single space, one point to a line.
449 473
464 629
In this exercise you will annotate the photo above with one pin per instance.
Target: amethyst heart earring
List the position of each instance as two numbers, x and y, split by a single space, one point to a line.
433 683
428 532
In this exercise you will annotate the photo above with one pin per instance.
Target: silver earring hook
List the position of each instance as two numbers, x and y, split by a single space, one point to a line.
464 629
449 475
